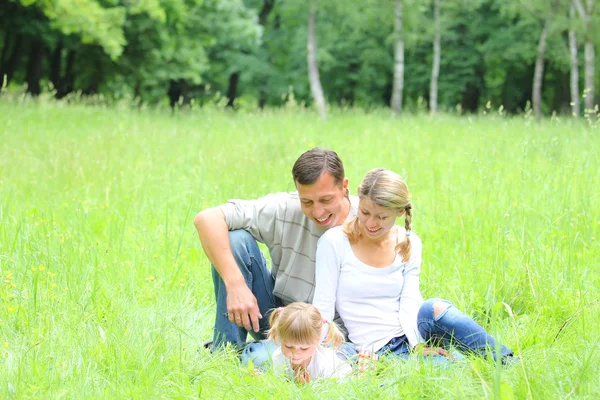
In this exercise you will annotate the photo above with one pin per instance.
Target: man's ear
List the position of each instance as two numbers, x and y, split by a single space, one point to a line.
345 183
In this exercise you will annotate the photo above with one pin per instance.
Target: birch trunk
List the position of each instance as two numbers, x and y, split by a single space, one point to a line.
589 75
435 70
398 87
313 70
538 75
585 13
575 107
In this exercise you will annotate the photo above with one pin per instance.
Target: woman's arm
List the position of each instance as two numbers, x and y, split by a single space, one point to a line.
410 296
327 272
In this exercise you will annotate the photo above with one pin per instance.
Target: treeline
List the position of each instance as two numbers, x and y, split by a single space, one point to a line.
459 55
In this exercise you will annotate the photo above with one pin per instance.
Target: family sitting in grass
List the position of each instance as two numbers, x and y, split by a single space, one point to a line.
341 253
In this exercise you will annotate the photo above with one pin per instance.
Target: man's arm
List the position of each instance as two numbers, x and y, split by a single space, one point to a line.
242 307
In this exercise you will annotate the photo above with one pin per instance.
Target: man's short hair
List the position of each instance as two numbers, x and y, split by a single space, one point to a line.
313 163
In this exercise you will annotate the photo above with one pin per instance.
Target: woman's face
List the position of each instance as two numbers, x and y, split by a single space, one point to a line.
375 221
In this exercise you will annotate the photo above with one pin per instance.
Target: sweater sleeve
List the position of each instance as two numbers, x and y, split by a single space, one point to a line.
258 217
327 272
410 296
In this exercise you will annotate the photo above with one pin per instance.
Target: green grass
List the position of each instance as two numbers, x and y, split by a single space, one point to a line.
106 293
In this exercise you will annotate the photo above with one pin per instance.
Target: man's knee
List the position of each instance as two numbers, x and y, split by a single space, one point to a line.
240 238
243 246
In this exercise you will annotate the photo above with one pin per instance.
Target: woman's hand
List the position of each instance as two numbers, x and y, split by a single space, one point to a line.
426 351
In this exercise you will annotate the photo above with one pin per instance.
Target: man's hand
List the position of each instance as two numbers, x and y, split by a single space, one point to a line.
242 308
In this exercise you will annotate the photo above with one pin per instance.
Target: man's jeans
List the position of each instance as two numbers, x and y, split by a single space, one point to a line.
253 266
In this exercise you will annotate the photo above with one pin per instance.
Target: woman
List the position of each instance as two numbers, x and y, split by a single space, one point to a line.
368 269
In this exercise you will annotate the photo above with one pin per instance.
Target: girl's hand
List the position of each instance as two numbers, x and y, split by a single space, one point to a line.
302 376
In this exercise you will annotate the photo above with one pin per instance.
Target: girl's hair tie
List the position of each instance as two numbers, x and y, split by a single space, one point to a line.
324 321
407 233
279 309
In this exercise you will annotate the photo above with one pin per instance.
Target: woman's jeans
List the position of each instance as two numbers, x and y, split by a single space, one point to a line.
451 329
257 275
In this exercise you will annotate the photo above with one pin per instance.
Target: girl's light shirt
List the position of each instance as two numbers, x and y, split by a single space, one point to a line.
324 364
376 304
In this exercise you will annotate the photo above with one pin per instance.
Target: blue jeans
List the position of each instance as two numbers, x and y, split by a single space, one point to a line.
258 277
454 328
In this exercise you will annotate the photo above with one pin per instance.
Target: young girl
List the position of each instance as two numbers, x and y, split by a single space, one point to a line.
369 271
298 331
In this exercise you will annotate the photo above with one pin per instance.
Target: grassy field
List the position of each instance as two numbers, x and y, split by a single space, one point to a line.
106 292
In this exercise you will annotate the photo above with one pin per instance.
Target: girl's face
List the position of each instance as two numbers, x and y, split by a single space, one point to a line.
299 354
375 221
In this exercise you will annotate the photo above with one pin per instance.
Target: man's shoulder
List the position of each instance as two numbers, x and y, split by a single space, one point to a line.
282 200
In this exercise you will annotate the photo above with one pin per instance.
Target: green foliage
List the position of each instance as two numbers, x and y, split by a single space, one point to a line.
144 49
93 23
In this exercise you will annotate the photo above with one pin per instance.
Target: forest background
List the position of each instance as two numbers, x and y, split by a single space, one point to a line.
454 55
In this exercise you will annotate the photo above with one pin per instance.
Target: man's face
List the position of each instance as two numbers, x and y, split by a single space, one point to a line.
324 202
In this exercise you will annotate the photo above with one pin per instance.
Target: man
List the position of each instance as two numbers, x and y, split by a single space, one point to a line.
290 225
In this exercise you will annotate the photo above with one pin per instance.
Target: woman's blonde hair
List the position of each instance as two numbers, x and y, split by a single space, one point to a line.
302 323
386 189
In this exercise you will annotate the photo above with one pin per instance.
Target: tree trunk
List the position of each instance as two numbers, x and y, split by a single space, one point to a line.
4 56
313 70
398 87
585 13
13 60
589 75
232 90
97 78
67 81
266 9
263 17
538 75
56 66
435 70
574 69
34 68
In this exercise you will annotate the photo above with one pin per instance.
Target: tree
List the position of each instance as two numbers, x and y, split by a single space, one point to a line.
435 69
538 75
586 15
574 81
398 87
313 69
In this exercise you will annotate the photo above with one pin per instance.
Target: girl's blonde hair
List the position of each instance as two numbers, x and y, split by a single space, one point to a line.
302 323
386 189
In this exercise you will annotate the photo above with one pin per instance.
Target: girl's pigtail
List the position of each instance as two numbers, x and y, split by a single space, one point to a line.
334 336
273 322
404 247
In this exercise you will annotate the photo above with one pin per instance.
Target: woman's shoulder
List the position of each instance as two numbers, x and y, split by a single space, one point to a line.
335 235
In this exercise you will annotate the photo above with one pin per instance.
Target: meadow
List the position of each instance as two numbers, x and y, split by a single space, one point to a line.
106 293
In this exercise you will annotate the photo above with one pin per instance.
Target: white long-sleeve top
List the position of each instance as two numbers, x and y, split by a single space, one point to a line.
324 364
376 304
